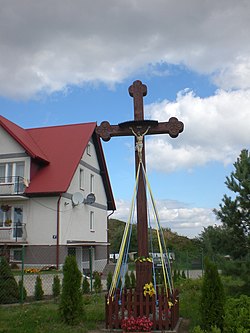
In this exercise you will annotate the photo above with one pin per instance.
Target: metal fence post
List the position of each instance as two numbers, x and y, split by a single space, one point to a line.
91 268
22 276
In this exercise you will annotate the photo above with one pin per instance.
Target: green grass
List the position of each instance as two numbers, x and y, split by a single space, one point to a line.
44 317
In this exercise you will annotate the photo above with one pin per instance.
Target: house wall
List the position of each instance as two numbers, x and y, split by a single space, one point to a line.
75 220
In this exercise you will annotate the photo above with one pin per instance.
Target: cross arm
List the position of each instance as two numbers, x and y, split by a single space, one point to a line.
172 127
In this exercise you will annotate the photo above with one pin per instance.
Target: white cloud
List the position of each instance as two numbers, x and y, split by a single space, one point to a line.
216 129
48 45
175 215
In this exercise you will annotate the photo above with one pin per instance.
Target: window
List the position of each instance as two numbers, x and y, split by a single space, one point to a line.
12 217
81 179
91 184
71 251
16 255
91 222
89 149
18 222
10 170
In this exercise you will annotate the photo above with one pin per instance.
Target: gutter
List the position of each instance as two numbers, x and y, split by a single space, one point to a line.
58 230
108 235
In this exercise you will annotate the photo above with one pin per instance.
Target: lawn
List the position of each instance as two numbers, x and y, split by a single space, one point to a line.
44 318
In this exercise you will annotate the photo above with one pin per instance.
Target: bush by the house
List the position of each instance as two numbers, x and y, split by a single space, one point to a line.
9 292
38 289
85 285
22 291
97 282
109 280
71 302
56 287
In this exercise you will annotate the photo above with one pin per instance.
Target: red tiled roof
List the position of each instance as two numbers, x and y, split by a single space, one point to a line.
24 139
64 147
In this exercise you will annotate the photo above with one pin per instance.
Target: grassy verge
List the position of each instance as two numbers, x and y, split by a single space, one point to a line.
44 318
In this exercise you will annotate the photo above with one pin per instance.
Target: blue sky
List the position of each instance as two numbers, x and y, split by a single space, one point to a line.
64 62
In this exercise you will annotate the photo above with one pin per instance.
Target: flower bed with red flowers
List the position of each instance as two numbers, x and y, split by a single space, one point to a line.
138 324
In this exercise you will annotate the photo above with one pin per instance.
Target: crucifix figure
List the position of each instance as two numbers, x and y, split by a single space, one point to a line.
139 127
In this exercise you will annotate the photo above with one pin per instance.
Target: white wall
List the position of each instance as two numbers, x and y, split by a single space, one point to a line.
75 221
41 216
8 144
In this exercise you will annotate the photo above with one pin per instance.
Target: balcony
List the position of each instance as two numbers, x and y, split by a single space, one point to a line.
13 185
13 234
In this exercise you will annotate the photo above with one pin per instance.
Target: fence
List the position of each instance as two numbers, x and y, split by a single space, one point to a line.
29 264
131 303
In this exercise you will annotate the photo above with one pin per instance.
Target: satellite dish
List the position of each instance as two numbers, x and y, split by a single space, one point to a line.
77 198
90 199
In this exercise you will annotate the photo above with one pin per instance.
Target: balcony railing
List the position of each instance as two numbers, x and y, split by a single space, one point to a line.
15 233
12 185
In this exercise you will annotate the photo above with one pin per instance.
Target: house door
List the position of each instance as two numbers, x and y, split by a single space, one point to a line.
77 252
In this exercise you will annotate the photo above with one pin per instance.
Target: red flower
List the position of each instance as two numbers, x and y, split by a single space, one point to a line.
138 324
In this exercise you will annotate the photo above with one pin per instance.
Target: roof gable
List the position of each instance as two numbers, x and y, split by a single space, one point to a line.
24 139
64 146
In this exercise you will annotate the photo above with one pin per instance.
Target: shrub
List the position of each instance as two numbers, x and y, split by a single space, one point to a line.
9 292
127 281
38 289
132 279
56 287
237 315
22 291
212 298
109 280
85 286
183 275
97 285
71 302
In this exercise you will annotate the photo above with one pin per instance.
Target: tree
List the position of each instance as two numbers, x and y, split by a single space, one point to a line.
85 285
56 287
38 289
109 280
212 298
22 291
234 213
71 302
97 285
9 291
133 279
127 281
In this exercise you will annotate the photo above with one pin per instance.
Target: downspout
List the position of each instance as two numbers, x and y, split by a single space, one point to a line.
108 234
58 230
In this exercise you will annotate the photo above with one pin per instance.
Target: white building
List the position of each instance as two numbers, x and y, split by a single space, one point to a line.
46 178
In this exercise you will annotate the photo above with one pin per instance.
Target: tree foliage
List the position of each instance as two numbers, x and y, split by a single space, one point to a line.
38 289
9 291
71 302
234 213
56 287
212 298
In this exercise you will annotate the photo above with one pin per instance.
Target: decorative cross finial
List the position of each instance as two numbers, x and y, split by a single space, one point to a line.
137 90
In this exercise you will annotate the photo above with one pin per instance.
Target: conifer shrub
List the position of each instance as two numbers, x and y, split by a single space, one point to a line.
109 280
38 289
212 298
132 279
9 292
22 291
183 275
97 285
85 286
71 301
56 287
127 281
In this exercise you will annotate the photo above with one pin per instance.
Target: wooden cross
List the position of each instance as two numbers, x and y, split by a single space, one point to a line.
140 127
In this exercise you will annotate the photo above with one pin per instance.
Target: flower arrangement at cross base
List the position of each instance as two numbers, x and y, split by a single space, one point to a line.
149 289
138 324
